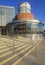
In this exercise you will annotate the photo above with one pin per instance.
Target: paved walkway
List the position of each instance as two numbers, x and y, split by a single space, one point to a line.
12 51
22 52
38 59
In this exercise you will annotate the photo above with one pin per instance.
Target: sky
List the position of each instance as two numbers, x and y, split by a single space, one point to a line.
37 7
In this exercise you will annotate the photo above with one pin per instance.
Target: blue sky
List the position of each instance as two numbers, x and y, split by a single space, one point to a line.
37 7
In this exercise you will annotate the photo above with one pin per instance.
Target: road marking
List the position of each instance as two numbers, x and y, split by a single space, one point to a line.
23 57
15 55
5 54
5 46
15 63
15 49
4 50
7 49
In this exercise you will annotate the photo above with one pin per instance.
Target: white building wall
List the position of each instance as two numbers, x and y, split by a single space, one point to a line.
7 13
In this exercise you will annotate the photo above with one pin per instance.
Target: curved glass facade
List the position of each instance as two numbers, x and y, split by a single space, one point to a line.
33 30
26 27
34 27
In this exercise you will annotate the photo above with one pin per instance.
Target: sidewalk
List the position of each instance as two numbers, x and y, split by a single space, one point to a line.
39 59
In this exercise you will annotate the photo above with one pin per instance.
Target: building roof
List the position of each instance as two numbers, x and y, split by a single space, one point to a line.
6 6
